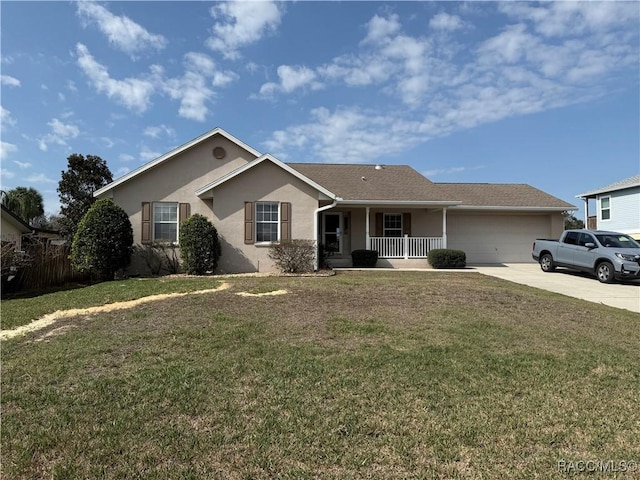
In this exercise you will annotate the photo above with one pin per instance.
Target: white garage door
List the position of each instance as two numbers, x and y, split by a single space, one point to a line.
496 238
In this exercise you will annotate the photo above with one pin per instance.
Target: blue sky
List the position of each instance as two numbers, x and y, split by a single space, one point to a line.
539 93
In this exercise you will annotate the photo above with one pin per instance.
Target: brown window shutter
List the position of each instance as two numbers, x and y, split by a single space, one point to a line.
146 222
406 223
185 211
248 222
285 222
379 224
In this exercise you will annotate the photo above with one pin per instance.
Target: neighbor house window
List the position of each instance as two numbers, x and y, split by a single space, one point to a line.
605 208
392 224
267 220
165 222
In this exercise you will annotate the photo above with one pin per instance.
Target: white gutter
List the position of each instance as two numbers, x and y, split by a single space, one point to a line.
406 203
316 263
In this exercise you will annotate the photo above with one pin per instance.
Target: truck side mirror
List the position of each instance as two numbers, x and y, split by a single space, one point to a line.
590 245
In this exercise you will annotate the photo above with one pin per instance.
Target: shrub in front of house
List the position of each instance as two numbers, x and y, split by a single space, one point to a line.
447 258
103 242
364 258
199 245
295 256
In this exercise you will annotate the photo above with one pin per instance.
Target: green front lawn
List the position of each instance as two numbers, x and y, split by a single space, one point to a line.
360 375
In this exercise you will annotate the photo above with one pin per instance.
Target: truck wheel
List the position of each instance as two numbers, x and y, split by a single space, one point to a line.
546 263
605 272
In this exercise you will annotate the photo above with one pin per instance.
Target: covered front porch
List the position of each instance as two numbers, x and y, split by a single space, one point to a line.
399 231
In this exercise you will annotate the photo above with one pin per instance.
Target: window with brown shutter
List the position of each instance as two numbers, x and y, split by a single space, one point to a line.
185 211
379 224
406 223
248 222
146 222
285 222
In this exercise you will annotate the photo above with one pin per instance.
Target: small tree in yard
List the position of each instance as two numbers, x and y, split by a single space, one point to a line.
103 241
199 245
296 256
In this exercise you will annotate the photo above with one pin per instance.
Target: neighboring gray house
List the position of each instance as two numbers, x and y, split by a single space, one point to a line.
617 207
255 200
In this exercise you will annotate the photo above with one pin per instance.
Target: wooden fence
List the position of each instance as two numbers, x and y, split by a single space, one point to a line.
48 266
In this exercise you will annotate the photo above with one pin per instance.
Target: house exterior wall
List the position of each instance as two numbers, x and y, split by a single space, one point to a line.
625 211
11 233
177 179
264 182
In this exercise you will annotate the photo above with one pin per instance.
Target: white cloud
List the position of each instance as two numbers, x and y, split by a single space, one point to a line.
380 28
6 120
369 135
155 131
444 21
146 154
121 171
9 81
122 32
40 178
133 93
559 19
291 78
22 165
241 24
125 157
7 149
60 132
193 89
551 55
6 174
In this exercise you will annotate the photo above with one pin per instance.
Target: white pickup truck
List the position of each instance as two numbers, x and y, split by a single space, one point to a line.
607 255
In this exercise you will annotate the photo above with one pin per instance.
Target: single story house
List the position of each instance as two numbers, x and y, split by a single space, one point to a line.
617 207
13 228
254 199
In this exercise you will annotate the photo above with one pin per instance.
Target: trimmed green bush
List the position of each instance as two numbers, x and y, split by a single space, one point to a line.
199 245
296 256
103 242
447 258
364 258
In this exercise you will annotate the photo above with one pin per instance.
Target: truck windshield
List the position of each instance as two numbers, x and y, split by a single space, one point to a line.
617 241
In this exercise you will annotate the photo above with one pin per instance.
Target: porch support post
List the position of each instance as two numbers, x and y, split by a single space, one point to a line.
406 246
444 227
586 212
368 238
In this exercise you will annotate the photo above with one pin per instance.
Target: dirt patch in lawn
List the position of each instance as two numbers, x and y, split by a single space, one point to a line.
51 318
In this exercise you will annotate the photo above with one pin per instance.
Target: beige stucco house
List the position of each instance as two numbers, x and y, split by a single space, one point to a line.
254 199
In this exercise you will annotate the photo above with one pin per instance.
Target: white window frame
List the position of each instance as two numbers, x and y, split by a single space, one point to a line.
154 221
608 209
258 222
384 225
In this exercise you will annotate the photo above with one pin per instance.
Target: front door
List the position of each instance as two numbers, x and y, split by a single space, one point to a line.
332 232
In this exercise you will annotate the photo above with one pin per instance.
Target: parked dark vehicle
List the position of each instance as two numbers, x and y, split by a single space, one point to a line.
607 255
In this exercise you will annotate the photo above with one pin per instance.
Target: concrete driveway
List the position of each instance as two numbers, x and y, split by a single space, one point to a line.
620 295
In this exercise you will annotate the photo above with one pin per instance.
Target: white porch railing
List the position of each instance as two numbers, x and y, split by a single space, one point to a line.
405 247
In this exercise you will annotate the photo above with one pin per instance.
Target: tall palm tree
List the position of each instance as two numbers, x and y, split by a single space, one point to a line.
27 203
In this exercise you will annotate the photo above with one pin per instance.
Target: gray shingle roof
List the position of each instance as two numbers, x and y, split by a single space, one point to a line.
613 187
500 195
365 182
403 183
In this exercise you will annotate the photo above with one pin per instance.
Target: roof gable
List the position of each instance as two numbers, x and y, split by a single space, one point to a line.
267 157
614 187
15 220
173 153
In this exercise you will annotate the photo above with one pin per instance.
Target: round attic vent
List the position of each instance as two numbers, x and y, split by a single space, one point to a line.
219 153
